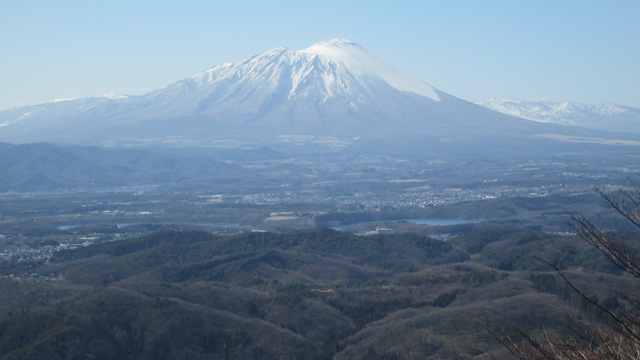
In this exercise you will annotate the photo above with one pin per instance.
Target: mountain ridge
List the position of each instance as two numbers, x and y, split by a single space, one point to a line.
47 167
608 117
334 93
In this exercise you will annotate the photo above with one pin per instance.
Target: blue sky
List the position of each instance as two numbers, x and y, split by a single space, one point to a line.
582 51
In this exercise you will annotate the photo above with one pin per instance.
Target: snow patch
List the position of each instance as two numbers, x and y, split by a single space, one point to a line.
114 95
63 99
24 115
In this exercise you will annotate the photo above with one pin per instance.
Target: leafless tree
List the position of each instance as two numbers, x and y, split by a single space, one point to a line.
618 338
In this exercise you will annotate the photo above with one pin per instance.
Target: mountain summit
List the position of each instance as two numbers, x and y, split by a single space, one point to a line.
335 68
333 93
330 88
353 59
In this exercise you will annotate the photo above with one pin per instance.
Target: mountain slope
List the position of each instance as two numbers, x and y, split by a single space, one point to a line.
332 93
608 117
42 166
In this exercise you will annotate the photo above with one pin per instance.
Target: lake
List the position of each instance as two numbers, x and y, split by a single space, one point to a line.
432 222
440 222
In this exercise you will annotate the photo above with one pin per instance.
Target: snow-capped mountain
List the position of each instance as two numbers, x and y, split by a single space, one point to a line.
332 93
608 117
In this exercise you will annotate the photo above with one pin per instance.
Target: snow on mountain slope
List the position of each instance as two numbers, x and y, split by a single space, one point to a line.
332 92
331 65
609 117
56 111
357 61
330 88
336 69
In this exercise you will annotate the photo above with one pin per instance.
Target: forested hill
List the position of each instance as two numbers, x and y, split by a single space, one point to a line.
312 294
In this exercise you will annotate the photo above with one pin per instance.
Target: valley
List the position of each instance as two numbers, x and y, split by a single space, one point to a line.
271 190
310 204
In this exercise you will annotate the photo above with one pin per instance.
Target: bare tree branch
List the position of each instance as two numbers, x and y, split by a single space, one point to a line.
621 338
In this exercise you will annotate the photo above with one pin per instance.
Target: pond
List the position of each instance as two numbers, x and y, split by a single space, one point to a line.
432 222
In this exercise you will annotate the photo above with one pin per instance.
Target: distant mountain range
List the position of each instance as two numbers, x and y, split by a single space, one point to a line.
332 94
607 117
43 167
